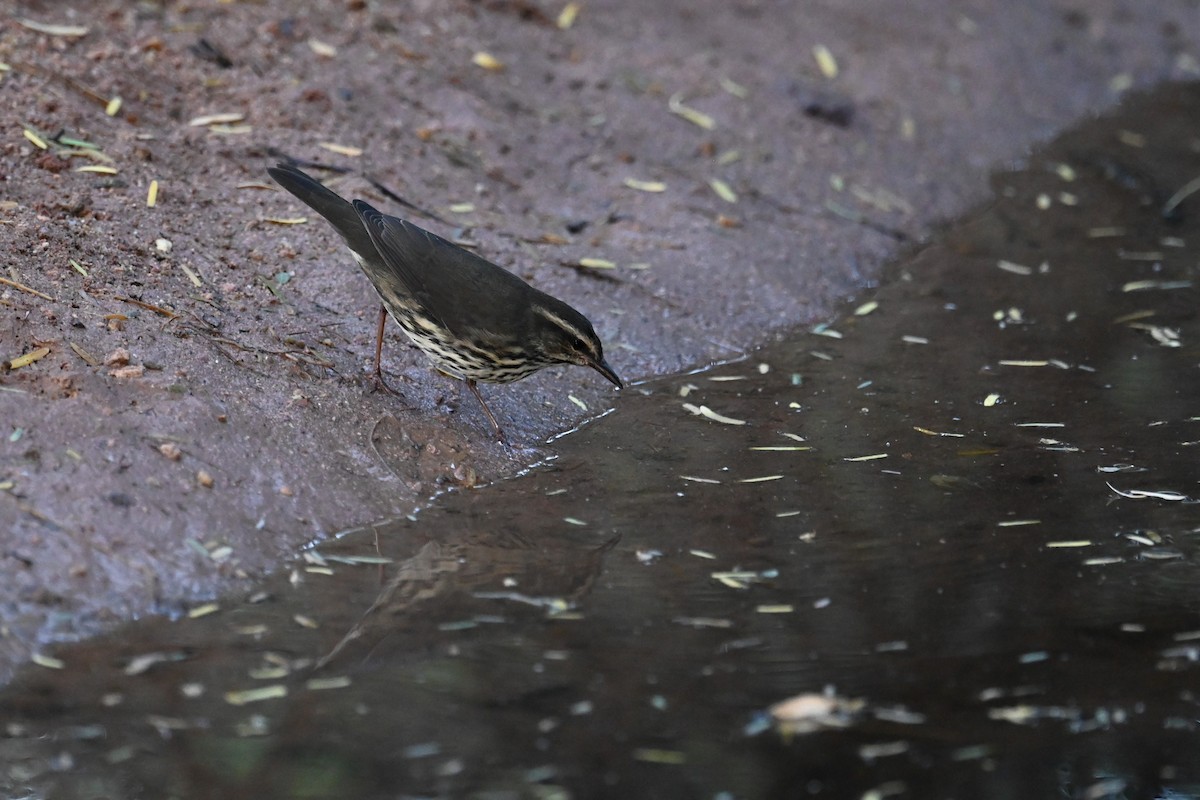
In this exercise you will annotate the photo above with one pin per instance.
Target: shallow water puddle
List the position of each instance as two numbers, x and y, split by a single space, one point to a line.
945 545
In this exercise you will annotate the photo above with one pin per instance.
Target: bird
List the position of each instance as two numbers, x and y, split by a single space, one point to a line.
475 320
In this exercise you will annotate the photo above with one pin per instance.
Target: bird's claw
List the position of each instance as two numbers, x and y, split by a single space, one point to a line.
378 384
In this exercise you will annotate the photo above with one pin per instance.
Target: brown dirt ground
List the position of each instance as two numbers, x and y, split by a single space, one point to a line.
248 342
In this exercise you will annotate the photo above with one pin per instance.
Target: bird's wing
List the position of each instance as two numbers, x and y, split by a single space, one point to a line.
448 281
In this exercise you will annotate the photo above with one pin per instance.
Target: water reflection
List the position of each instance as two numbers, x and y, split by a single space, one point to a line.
924 521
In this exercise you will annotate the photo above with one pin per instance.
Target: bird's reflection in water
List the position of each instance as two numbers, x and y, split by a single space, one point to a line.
448 577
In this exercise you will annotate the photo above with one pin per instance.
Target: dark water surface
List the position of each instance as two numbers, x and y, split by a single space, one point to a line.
928 529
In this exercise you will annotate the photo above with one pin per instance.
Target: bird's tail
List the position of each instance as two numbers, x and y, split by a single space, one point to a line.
327 203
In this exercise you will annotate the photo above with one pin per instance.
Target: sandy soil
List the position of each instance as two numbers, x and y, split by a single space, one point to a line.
202 412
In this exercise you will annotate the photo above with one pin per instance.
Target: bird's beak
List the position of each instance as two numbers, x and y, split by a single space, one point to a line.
604 369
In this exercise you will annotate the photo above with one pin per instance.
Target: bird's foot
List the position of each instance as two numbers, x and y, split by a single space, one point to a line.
378 384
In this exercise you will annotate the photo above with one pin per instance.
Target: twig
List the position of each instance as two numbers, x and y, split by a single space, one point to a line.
395 198
304 162
71 83
24 288
166 312
379 187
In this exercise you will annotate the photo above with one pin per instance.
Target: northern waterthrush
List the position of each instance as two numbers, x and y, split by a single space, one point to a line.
475 320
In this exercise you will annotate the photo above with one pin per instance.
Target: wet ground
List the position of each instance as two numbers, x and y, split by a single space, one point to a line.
945 546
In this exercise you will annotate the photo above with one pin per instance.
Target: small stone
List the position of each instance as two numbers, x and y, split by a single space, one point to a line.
465 476
170 450
117 358
204 479
128 372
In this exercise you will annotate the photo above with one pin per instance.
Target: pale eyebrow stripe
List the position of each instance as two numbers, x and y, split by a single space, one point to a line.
562 323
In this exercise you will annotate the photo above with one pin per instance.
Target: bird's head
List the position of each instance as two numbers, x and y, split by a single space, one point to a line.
564 336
